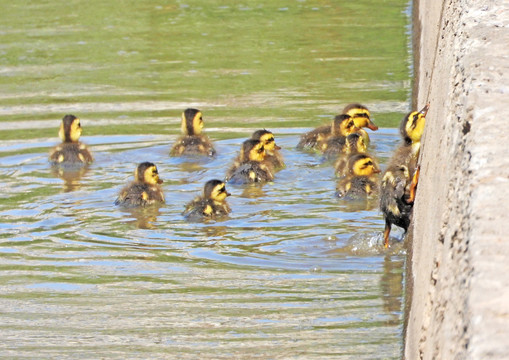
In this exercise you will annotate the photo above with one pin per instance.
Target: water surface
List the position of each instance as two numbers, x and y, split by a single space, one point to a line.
292 273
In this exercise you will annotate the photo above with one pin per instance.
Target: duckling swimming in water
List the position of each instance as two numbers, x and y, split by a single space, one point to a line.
343 127
252 167
193 142
71 152
355 144
315 138
399 181
362 178
211 205
273 156
144 190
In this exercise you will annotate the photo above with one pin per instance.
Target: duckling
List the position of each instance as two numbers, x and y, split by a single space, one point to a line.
71 152
362 179
342 126
193 142
317 136
211 205
144 190
400 179
273 156
355 144
362 119
252 167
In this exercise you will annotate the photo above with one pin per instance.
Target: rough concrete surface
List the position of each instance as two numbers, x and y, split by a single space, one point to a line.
460 252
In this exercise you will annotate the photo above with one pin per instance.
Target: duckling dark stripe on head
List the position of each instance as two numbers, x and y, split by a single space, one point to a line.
70 129
192 122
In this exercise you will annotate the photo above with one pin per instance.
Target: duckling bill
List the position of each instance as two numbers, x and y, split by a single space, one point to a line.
211 205
145 190
400 179
193 142
71 152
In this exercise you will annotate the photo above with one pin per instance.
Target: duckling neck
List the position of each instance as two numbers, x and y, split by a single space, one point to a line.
416 147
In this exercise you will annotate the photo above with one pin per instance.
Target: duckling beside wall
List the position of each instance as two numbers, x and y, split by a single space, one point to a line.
71 152
252 167
400 179
145 190
193 142
211 205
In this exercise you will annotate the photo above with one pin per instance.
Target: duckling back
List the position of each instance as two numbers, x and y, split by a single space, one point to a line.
71 154
193 145
140 195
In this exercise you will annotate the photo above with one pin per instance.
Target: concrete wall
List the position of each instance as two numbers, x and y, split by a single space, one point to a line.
459 307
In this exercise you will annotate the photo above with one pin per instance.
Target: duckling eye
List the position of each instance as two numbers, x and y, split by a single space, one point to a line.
222 189
269 140
260 150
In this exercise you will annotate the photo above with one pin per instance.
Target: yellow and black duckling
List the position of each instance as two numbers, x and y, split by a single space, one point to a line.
354 144
362 179
252 167
397 191
315 138
273 156
211 205
193 142
71 152
144 190
342 126
362 119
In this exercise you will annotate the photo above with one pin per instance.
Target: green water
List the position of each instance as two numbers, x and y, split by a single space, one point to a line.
293 273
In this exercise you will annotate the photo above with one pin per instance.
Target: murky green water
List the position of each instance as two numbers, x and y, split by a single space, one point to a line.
293 272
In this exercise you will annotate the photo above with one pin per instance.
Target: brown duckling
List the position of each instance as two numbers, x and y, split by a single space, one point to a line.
354 144
316 137
273 156
362 119
399 181
71 152
193 142
144 190
252 167
211 205
362 179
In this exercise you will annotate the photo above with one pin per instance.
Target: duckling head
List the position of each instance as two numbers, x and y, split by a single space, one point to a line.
267 138
361 116
412 126
343 125
355 143
192 122
253 150
146 173
215 190
362 165
70 129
